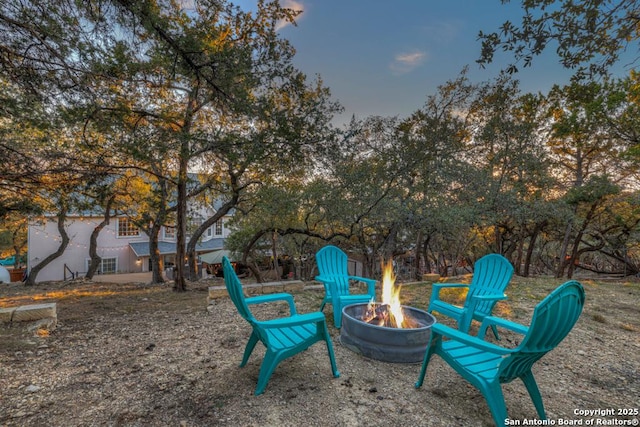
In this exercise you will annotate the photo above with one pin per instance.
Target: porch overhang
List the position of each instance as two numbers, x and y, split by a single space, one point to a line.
141 249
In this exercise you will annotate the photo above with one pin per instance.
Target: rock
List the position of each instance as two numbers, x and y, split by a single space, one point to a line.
32 388
33 312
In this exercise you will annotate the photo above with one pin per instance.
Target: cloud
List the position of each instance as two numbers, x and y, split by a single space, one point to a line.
293 5
406 62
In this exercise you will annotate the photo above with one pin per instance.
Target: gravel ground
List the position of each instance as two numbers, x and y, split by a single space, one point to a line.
143 355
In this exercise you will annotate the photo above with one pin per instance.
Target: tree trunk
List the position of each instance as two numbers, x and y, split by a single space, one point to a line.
192 264
563 250
254 270
573 260
498 238
425 254
157 264
179 283
274 251
418 275
532 243
19 242
93 241
220 213
245 256
567 234
64 242
519 255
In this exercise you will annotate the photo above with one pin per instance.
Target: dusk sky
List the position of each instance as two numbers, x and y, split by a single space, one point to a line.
384 57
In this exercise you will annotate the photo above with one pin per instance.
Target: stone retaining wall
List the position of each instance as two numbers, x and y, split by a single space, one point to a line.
35 316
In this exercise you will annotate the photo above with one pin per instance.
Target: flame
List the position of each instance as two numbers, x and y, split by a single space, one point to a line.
389 313
391 295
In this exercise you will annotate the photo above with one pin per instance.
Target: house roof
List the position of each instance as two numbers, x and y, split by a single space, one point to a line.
141 249
210 245
215 257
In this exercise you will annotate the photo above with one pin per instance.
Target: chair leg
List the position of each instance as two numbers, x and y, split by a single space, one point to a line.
495 400
253 340
433 341
495 332
532 387
327 298
337 317
332 357
269 364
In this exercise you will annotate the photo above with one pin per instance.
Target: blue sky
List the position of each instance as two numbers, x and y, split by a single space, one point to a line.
384 57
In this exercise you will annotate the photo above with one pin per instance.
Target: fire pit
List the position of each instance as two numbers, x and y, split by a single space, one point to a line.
389 331
388 344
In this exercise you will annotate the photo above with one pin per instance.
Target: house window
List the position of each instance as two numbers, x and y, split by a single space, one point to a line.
126 228
215 229
107 265
169 232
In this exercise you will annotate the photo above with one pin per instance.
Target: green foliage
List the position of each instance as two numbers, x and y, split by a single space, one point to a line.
594 190
5 242
160 88
587 36
126 99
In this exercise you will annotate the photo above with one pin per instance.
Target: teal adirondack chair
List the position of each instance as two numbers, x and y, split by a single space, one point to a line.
486 366
332 266
283 337
491 276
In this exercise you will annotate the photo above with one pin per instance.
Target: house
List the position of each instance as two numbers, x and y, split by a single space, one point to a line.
121 245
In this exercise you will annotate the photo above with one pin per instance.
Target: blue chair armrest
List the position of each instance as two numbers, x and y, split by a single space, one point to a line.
260 299
295 320
329 285
467 339
324 279
503 323
476 299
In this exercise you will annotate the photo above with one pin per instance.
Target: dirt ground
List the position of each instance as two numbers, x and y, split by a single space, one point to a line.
143 355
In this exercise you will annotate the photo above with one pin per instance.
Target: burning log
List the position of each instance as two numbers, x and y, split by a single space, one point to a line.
381 315
376 314
390 313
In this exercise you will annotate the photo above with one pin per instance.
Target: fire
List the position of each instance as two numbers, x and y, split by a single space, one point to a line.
389 313
391 295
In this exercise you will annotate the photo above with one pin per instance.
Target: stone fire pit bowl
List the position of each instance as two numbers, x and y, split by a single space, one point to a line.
395 345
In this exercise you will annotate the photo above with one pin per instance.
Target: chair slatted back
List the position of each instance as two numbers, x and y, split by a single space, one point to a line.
491 276
333 262
553 319
234 287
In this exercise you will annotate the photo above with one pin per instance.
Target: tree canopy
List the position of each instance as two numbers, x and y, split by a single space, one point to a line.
144 108
588 37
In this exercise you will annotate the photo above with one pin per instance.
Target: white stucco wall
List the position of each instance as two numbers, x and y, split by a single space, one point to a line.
44 240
